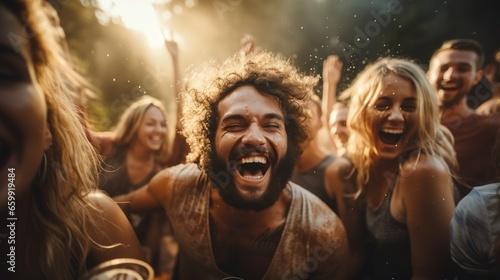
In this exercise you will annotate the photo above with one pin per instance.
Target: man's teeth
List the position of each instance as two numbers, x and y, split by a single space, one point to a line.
448 86
253 177
255 159
392 131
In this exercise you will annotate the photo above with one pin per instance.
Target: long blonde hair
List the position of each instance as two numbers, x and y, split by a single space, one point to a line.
431 137
130 121
59 211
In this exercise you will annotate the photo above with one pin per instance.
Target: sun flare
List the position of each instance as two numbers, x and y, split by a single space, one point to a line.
138 15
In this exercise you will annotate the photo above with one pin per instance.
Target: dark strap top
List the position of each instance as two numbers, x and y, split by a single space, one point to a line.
114 180
388 244
313 180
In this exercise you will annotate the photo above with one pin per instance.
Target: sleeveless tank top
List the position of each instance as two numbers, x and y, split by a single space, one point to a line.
308 234
114 180
388 242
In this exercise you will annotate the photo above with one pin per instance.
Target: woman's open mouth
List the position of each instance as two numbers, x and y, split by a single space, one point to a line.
390 136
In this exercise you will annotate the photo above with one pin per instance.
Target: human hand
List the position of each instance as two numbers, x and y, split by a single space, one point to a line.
172 48
249 45
332 69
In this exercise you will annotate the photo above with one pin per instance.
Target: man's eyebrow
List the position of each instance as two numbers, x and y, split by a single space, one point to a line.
232 117
274 116
238 117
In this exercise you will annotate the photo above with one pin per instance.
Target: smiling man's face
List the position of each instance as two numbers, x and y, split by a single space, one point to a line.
251 145
453 73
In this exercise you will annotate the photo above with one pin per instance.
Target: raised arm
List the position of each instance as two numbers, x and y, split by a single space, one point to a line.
173 50
427 192
180 147
332 71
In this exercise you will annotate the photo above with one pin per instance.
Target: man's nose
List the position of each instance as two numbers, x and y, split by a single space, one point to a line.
449 73
253 135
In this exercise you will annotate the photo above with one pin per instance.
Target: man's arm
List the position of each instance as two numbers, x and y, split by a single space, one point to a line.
147 198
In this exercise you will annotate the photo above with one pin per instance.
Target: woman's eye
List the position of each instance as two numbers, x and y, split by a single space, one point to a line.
409 108
381 107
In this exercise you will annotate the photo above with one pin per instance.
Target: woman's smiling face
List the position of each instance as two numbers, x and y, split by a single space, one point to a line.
393 117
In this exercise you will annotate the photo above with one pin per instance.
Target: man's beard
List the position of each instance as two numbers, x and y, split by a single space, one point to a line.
450 103
230 193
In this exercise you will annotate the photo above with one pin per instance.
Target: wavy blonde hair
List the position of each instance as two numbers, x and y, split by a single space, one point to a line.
431 137
60 214
130 121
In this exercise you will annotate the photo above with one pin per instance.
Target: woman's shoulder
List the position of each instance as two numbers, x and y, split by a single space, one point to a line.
341 166
420 163
109 229
99 202
425 176
340 177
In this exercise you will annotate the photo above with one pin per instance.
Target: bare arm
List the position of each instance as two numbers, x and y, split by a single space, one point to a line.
427 193
147 198
350 210
101 141
332 70
112 233
173 49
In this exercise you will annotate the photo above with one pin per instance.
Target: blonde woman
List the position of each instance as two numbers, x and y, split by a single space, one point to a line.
133 153
61 225
136 148
394 187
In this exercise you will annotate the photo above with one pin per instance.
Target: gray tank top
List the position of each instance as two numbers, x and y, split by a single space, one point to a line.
308 236
388 244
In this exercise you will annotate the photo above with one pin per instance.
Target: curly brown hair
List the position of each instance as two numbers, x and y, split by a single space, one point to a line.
269 73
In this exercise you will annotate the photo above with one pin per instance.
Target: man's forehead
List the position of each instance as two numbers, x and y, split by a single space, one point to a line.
455 57
248 99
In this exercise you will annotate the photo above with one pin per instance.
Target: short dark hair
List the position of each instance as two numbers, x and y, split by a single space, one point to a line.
463 45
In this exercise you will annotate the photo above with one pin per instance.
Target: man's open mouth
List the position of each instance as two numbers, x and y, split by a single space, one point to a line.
390 136
449 86
253 167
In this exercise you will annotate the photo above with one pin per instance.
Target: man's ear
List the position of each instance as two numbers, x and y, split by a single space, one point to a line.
47 138
477 78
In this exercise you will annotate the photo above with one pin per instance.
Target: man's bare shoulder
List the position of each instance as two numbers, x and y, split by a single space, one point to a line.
164 182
